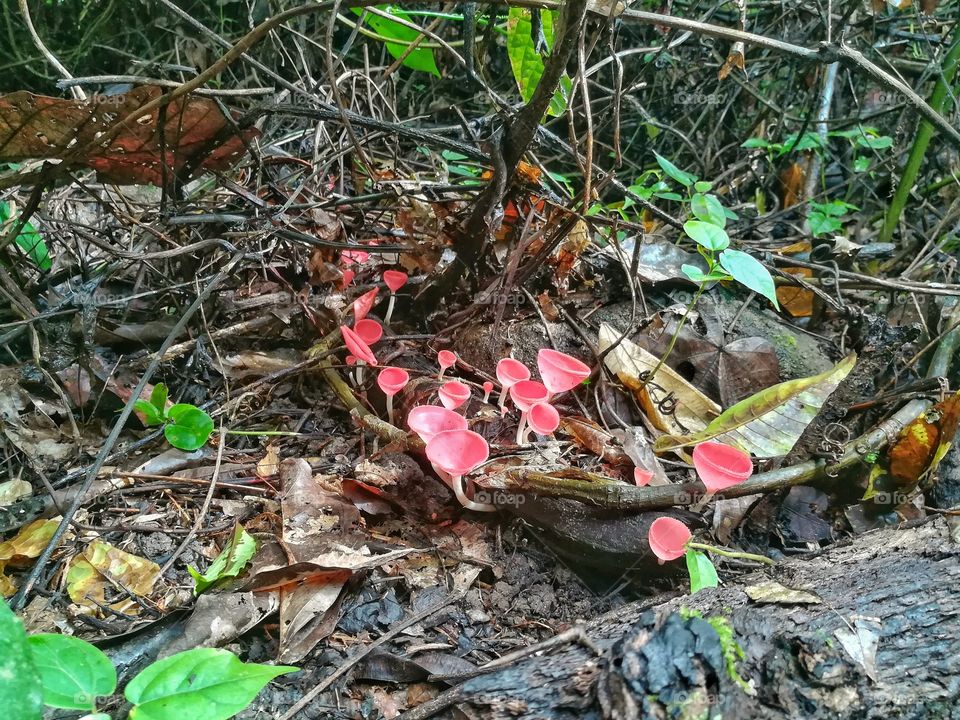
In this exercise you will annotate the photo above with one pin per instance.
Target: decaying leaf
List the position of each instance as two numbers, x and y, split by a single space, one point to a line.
194 134
797 301
13 490
593 438
628 361
735 59
101 566
773 592
769 423
25 546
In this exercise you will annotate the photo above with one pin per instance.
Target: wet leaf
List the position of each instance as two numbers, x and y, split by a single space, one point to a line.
769 423
229 563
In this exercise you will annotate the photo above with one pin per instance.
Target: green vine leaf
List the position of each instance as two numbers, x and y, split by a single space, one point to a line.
29 240
702 572
420 58
188 427
706 234
682 177
73 672
749 271
525 61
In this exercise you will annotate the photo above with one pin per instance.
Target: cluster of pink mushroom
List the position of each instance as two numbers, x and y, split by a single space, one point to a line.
367 331
719 466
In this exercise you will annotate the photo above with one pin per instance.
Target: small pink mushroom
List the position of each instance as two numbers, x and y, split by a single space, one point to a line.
359 349
668 538
454 453
369 330
453 394
354 257
525 394
364 304
394 279
559 371
641 477
719 466
543 418
510 372
392 380
429 420
487 389
351 360
446 359
348 276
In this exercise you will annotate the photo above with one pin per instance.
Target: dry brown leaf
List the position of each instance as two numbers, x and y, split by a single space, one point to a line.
102 565
797 301
269 464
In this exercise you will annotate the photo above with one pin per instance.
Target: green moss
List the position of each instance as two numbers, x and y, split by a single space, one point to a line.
732 652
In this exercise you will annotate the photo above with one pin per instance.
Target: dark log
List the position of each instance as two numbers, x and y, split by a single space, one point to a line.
656 661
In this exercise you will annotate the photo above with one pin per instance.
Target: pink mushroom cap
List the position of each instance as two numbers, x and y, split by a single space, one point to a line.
370 331
395 279
510 372
392 380
357 347
351 360
641 477
446 359
487 386
559 371
668 538
721 466
429 420
348 276
543 418
457 451
453 394
364 304
354 257
527 393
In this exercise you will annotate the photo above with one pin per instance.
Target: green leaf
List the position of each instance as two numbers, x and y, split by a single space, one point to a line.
420 58
229 563
73 672
702 186
188 427
158 398
20 689
712 237
702 572
698 276
875 143
749 271
29 240
684 178
525 61
823 224
708 209
669 196
203 683
861 164
755 143
151 416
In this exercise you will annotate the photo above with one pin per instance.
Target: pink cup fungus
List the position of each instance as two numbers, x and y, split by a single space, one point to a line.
392 380
509 373
394 279
351 360
359 349
525 394
668 538
454 453
348 276
641 477
446 359
354 257
559 371
721 466
543 418
364 304
487 389
429 420
453 394
370 331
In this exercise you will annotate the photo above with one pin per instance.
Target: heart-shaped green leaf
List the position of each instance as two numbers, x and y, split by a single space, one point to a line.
203 683
708 209
20 693
188 427
749 271
682 177
707 234
702 572
73 672
158 398
151 415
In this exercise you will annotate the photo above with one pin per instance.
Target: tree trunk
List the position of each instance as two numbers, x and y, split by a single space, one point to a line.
883 642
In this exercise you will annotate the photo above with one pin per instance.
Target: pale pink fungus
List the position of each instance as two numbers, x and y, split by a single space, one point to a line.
559 371
364 304
641 477
453 394
392 380
394 279
668 538
429 420
446 359
454 453
525 394
721 466
370 331
510 372
487 389
543 418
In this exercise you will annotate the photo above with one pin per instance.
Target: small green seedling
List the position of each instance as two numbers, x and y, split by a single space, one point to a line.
185 426
827 218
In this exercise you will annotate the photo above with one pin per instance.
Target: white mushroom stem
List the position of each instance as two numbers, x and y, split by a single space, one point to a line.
393 298
390 409
455 483
360 364
486 397
522 429
502 404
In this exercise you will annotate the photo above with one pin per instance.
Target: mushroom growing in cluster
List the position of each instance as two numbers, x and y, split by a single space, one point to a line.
453 454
